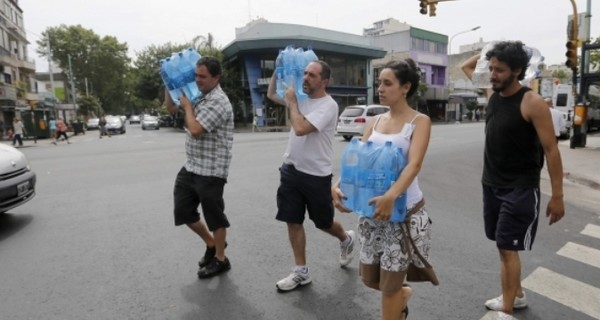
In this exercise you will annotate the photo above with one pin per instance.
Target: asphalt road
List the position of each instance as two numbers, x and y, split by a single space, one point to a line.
98 241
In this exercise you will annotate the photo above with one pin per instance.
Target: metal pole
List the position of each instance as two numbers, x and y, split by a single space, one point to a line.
50 72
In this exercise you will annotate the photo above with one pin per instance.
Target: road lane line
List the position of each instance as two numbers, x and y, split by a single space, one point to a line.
581 253
569 292
591 230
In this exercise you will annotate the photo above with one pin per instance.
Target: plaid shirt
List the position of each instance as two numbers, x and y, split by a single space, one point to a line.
210 154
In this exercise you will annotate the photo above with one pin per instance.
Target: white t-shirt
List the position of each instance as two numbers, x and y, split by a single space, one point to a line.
313 153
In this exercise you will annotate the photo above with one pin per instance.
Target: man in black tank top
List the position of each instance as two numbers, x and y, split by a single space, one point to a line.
518 134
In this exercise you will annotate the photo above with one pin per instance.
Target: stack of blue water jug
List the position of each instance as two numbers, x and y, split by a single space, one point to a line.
289 67
369 170
178 73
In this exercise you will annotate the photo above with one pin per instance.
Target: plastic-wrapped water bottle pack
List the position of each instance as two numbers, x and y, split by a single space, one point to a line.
481 75
289 68
178 73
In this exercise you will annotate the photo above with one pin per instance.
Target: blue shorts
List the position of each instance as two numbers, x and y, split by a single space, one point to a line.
299 192
192 190
510 216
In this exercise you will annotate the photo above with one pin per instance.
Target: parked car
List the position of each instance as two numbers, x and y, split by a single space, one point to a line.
150 122
92 124
17 180
353 119
114 124
166 121
134 119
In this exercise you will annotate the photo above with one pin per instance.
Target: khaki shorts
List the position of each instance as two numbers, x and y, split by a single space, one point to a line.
384 256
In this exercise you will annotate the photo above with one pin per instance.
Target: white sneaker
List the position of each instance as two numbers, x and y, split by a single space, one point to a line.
294 280
505 316
497 304
346 255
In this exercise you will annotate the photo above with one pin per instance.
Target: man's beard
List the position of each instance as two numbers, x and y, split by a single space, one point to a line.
504 84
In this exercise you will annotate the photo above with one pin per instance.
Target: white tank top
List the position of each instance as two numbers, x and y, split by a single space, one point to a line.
402 141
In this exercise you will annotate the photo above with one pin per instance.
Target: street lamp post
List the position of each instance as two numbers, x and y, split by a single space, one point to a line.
450 52
450 42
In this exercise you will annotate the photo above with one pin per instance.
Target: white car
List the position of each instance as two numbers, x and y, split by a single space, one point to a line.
17 180
353 119
150 122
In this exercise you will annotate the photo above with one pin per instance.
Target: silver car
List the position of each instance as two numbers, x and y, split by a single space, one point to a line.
353 119
17 180
150 122
114 124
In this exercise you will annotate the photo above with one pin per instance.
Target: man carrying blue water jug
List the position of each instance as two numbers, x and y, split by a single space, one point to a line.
208 142
306 172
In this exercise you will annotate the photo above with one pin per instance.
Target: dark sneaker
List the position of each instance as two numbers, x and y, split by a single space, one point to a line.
214 268
208 255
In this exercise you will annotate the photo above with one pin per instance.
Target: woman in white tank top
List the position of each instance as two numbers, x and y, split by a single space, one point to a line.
384 256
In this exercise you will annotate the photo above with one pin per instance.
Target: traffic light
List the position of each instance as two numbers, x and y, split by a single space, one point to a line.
423 4
432 9
571 54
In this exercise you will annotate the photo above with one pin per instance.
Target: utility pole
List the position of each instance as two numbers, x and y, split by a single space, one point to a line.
72 79
50 72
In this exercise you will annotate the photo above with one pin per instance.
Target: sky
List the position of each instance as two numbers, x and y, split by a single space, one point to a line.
541 24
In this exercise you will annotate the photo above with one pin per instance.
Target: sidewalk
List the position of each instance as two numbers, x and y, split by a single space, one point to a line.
581 183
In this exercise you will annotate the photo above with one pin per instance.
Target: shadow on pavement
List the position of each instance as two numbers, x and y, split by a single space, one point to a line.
11 224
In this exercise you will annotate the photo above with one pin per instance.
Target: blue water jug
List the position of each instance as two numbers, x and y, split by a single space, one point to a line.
349 171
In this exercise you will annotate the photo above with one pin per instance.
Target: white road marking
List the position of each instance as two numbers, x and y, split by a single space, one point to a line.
581 253
567 291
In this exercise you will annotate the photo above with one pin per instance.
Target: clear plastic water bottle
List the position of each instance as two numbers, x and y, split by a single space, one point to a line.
169 73
279 74
365 179
399 213
349 171
288 67
191 57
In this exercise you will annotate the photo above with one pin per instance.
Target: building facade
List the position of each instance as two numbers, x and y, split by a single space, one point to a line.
256 46
16 67
428 49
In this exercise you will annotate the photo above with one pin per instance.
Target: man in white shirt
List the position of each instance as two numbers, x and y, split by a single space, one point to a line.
558 120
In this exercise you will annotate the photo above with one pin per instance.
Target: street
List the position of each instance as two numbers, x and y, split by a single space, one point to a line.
98 241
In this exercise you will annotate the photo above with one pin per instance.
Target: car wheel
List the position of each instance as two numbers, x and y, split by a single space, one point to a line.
347 138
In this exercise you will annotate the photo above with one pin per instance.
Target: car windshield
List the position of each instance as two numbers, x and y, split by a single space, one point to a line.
149 118
113 120
352 112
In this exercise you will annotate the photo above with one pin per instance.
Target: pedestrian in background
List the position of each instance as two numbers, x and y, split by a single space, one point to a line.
102 126
52 128
18 131
61 130
1 129
208 143
384 254
306 173
558 121
518 133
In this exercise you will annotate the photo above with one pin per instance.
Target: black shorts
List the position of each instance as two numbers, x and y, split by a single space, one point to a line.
299 192
510 216
190 191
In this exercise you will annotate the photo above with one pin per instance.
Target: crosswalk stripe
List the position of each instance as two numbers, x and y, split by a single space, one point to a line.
591 230
581 253
569 292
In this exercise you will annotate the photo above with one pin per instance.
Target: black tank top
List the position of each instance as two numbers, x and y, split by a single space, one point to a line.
513 155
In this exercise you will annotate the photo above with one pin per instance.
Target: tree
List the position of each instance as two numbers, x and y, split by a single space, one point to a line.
89 106
562 75
102 61
595 57
147 84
